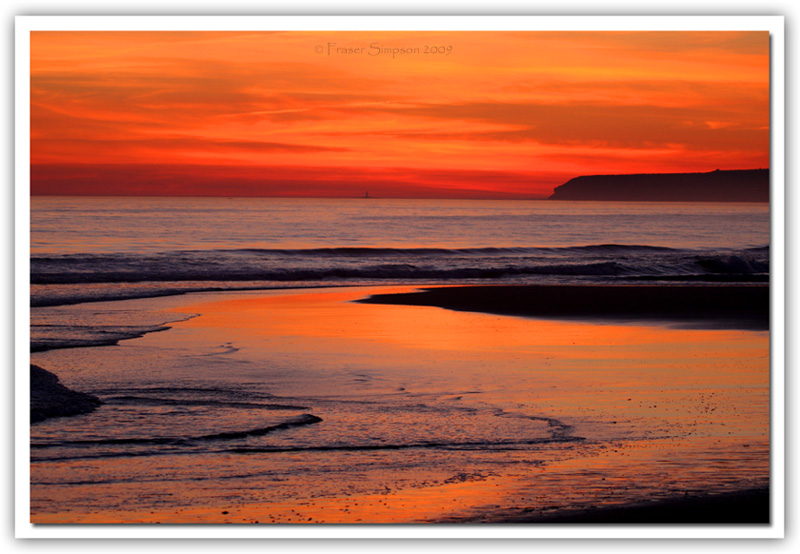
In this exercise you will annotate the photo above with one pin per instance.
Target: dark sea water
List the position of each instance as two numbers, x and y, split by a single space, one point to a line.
86 249
294 403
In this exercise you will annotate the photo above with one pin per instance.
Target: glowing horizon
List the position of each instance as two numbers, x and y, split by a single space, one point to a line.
332 114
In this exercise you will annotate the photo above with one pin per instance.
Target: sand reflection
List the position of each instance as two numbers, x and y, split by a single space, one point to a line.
570 414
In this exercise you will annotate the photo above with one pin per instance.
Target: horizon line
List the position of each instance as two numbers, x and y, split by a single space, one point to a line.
292 197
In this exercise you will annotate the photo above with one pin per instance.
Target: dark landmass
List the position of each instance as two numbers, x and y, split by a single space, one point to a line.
692 306
49 398
745 185
750 506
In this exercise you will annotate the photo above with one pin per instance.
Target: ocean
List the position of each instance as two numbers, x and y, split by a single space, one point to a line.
85 249
235 369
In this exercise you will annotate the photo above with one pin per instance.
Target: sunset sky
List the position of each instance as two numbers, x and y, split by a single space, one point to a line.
496 115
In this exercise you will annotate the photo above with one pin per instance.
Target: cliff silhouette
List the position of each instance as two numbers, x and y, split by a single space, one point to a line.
741 185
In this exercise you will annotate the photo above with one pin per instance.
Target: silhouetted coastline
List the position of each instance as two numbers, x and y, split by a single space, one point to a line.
747 185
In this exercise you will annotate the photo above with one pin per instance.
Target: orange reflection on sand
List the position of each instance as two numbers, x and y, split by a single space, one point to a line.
688 377
619 474
407 506
663 410
573 344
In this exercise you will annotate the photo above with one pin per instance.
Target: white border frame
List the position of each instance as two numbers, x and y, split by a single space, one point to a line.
25 24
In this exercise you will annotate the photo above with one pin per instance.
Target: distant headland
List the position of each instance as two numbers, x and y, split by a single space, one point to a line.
741 185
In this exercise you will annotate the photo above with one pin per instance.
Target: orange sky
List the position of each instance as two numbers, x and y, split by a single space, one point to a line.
504 114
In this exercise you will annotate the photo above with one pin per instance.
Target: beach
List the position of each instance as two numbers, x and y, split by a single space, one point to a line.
414 413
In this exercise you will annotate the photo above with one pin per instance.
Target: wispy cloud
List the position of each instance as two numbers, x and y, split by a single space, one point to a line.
503 112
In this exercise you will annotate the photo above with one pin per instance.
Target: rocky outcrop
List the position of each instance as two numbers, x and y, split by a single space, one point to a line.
49 398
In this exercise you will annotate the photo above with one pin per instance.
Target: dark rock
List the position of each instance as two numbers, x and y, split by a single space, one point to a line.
49 398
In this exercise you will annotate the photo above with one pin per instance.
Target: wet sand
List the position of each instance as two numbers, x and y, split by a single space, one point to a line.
706 307
667 415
